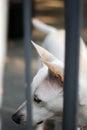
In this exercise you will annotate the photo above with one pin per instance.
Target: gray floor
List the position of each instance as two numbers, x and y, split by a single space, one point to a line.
14 88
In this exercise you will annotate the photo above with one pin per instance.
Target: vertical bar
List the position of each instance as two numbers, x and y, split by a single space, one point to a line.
4 5
73 9
27 4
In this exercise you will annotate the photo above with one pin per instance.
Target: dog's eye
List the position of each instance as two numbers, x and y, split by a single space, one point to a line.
37 100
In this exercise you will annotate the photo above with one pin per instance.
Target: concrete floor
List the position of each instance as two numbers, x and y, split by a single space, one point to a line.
14 77
14 87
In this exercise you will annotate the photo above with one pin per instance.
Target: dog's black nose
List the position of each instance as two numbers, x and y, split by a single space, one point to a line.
16 118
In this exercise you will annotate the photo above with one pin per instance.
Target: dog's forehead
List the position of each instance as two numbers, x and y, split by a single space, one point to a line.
43 87
44 93
47 89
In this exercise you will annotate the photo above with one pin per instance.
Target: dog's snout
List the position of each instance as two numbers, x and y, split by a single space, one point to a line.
16 118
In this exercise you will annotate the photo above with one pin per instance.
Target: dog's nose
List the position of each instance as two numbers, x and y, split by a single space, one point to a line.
16 118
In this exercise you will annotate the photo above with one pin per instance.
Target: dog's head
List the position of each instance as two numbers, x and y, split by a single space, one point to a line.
47 91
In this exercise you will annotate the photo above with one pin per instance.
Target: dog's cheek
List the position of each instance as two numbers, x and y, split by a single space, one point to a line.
36 114
40 114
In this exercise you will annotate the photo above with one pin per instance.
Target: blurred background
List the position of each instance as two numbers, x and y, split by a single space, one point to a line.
49 11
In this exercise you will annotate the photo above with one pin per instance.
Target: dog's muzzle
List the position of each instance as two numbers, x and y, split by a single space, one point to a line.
17 118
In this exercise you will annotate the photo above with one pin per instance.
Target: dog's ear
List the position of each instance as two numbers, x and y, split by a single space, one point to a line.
55 66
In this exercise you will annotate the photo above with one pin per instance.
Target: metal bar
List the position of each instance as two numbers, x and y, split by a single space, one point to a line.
73 9
27 4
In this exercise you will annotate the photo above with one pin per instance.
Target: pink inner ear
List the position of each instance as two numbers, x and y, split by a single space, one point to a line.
60 80
56 77
56 69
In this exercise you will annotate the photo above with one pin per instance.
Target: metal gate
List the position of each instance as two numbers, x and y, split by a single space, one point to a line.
73 11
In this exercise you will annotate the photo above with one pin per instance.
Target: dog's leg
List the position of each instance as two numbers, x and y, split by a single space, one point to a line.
79 129
40 127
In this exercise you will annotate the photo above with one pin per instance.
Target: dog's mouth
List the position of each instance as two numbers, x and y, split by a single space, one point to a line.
40 122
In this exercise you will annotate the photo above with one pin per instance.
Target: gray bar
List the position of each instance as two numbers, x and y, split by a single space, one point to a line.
27 4
73 9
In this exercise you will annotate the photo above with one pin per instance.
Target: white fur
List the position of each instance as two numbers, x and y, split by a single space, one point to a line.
48 89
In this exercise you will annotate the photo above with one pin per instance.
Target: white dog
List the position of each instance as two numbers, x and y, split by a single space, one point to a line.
47 85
